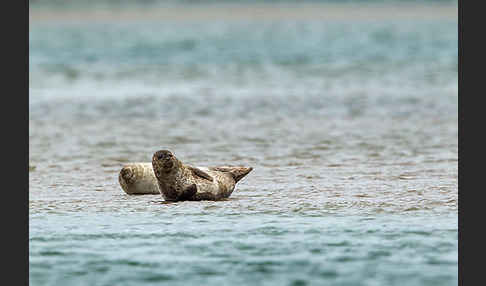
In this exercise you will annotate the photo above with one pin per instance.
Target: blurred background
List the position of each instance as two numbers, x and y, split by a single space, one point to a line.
346 110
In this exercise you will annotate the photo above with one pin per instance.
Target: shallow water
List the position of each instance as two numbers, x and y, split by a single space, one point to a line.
350 126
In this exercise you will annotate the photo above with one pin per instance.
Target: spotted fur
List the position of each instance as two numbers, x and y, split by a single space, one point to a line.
176 180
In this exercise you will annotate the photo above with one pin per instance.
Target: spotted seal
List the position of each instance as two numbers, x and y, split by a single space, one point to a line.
180 182
138 179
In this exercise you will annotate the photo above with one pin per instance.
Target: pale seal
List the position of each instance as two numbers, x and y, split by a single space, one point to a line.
138 179
180 182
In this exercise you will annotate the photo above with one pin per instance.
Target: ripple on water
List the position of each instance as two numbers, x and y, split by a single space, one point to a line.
355 160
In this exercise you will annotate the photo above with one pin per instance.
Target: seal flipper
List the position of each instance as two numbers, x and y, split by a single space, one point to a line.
200 173
188 193
236 172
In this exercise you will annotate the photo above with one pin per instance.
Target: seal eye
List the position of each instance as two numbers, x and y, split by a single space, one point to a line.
160 156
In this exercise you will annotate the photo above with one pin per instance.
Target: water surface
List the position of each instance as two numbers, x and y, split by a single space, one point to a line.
350 126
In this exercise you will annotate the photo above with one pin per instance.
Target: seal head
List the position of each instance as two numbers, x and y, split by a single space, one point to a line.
165 162
127 175
169 173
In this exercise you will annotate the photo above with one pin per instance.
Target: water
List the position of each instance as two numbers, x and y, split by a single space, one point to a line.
350 124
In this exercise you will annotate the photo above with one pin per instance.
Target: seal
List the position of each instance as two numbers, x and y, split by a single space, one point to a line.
138 179
181 182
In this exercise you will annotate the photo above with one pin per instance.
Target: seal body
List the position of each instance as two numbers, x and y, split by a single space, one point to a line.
179 182
138 179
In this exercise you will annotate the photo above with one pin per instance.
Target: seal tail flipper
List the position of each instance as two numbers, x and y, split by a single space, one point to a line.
238 173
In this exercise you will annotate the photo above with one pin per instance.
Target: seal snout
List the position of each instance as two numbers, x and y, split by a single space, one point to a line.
163 155
163 160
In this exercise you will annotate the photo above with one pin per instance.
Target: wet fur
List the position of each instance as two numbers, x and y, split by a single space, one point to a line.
138 179
178 182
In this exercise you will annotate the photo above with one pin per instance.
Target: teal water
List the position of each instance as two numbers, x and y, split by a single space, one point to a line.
234 248
350 126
